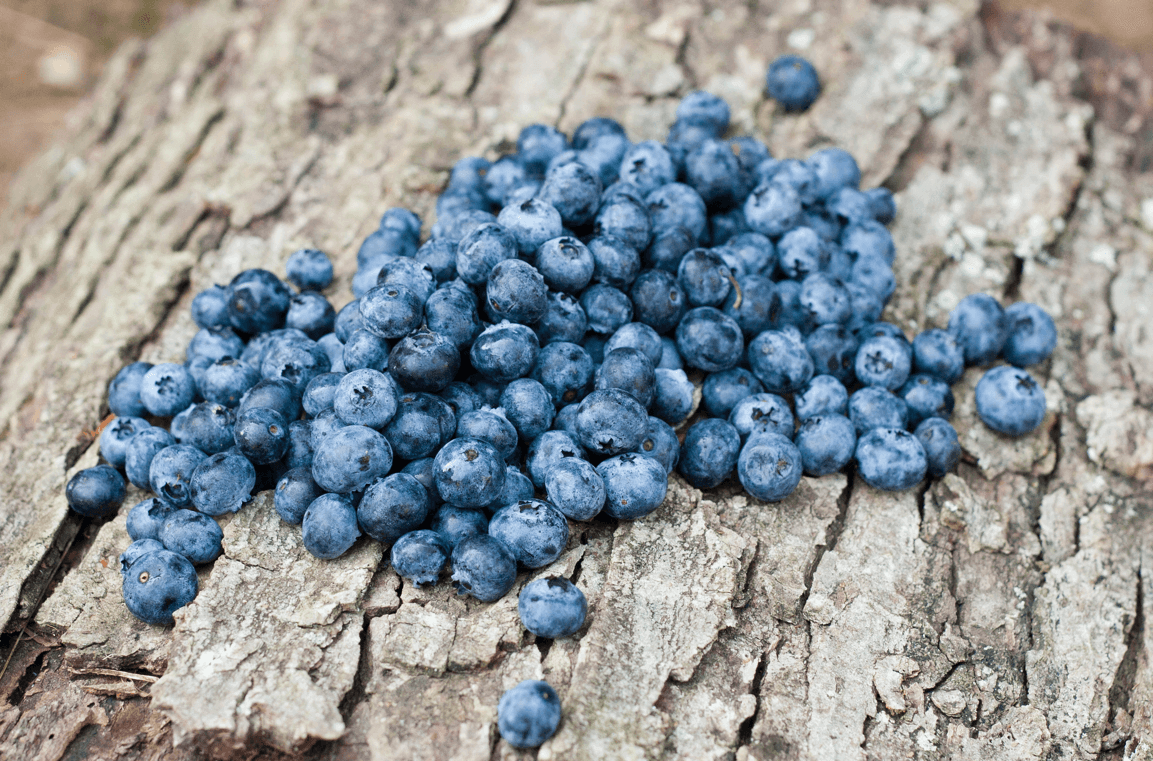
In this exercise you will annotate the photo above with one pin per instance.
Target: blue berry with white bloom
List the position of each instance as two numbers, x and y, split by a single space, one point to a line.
769 467
981 327
309 269
1010 401
96 492
792 81
222 483
826 443
634 485
419 556
709 452
193 535
942 447
552 607
329 527
158 584
1032 335
891 459
482 566
533 530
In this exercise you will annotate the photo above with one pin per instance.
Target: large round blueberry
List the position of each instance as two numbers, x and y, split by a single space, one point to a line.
365 397
517 486
762 413
505 352
392 507
1009 401
792 82
606 308
637 335
547 450
193 535
780 360
709 452
350 458
673 396
634 485
210 308
835 169
710 340
834 350
629 370
276 393
124 390
722 391
422 423
574 191
647 165
412 274
875 407
616 261
439 255
115 437
824 395
455 524
564 320
138 549
705 277
936 352
295 491
469 473
310 312
658 300
451 312
391 311
516 292
769 467
261 435
528 714
566 264
624 219
552 607
565 370
533 530
883 362
481 250
257 301
661 444
167 389
713 171
754 304
420 556
319 392
491 426
926 397
329 527
942 447
222 483
677 205
170 473
309 269
611 421
826 443
575 488
483 567
667 248
891 459
96 492
424 361
772 209
145 519
980 326
528 406
1032 335
296 362
157 585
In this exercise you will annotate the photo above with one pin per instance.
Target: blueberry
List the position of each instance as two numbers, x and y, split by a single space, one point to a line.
1009 401
257 301
537 144
528 714
350 458
615 261
883 205
647 165
332 346
769 467
606 308
481 250
222 483
392 507
309 269
329 527
826 443
591 129
564 320
160 583
297 363
210 308
926 397
439 256
424 361
891 459
533 530
517 486
420 556
722 391
138 549
667 247
875 275
981 327
469 173
709 339
391 311
177 426
295 491
565 370
755 251
604 155
936 352
673 396
709 452
885 329
772 208
835 168
883 362
275 393
455 524
802 252
460 398
754 304
115 437
167 389
348 319
876 407
661 444
867 307
487 392
760 413
365 397
575 488
565 419
552 607
658 300
942 448
412 274
868 238
145 519
530 223
1032 335
677 205
227 380
261 435
505 352
791 313
451 312
547 450
639 336
319 393
423 470
611 421
684 135
528 405
634 485
515 292
792 82
310 312
574 190
780 361
384 244
491 426
193 535
706 108
834 350
422 423
623 219
96 492
124 390
214 344
629 370
469 473
299 454
170 473
704 277
712 170
826 299
483 567
824 395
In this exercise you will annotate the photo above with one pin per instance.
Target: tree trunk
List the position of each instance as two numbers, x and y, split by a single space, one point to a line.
998 613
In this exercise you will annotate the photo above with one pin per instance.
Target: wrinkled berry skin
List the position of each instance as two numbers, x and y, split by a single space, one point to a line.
769 467
329 526
157 585
483 567
392 507
980 326
552 607
942 447
634 485
1009 401
761 413
534 531
469 473
194 535
826 444
419 556
1032 335
709 452
611 421
824 395
528 714
365 397
350 458
96 492
890 459
575 488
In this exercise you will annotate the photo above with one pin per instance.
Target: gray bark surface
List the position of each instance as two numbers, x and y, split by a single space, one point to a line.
998 613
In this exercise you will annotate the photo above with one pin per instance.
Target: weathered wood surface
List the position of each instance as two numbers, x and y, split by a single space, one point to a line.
1001 613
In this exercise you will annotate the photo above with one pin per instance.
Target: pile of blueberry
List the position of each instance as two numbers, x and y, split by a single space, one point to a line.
576 303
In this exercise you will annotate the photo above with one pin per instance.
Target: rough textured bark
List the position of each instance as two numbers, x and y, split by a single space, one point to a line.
999 613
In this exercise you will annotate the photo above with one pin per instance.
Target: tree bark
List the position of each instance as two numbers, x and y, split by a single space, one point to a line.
997 613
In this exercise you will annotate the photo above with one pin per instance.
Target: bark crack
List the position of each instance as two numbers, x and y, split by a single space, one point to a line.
478 52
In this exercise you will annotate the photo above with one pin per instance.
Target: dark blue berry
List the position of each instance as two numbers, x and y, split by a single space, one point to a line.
709 452
537 144
564 320
515 292
942 448
874 274
677 205
876 407
348 319
505 352
891 459
210 308
115 437
193 535
167 389
661 444
365 397
469 473
319 393
574 190
350 458
667 248
483 567
621 218
981 327
1009 401
533 530
647 165
826 299
673 396
222 483
704 277
261 435
611 421
329 527
528 714
170 473
833 349
722 391
257 301
157 585
566 264
420 556
145 519
883 205
299 454
884 362
712 170
835 169
937 353
552 607
868 238
629 370
529 406
565 370
391 311
411 273
392 507
309 269
124 390
780 361
634 485
792 82
275 393
530 223
709 340
575 488
455 524
424 361
826 443
754 304
1032 335
295 491
297 363
491 426
616 261
762 413
138 549
451 312
96 492
926 397
824 395
310 312
547 450
769 467
772 208
420 426
802 252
